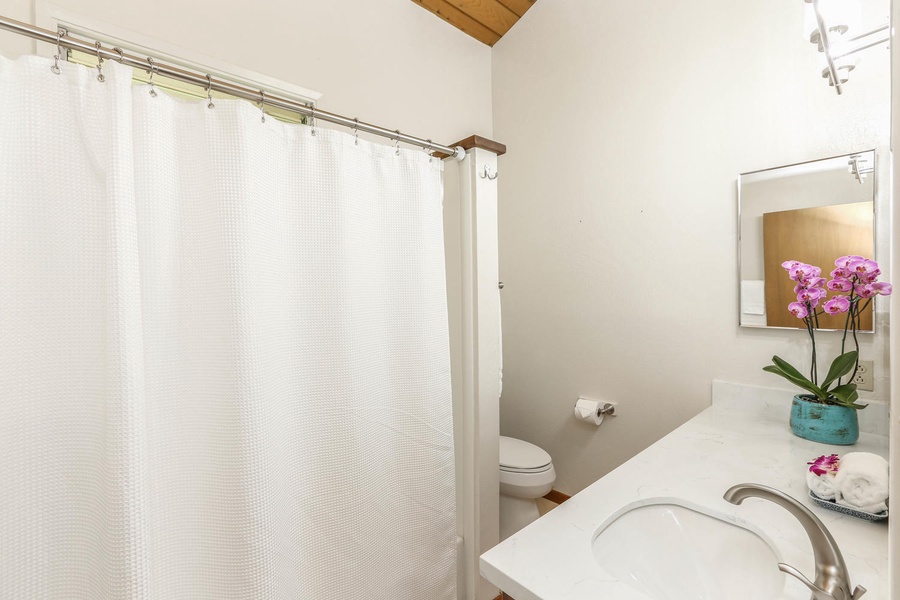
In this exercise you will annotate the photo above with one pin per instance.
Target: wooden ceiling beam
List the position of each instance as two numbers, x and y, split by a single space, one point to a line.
462 21
520 7
490 13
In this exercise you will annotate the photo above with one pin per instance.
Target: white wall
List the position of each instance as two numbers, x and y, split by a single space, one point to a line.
627 124
387 62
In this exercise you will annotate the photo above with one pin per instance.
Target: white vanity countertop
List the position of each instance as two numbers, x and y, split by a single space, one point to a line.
734 441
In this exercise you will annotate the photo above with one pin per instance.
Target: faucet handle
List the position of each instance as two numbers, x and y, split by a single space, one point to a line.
858 592
818 593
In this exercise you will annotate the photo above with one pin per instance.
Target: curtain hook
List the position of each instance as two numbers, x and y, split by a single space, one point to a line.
209 92
262 105
356 131
55 68
100 76
312 121
396 142
430 150
119 51
152 70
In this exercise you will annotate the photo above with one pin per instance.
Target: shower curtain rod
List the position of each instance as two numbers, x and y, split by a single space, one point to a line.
219 85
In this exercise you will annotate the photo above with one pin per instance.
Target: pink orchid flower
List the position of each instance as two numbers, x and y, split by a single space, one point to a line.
803 271
869 277
865 290
810 294
883 288
815 282
864 266
844 261
798 309
825 464
837 305
839 284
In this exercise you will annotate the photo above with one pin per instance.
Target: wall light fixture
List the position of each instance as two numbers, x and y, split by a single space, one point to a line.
834 27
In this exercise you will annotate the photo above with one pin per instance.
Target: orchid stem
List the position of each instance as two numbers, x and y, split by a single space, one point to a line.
813 371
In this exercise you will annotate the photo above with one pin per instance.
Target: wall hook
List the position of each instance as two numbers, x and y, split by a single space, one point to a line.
487 174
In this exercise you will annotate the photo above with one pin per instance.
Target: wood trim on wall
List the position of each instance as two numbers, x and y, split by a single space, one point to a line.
476 141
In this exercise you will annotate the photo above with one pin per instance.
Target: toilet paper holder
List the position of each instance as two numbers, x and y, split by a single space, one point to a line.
594 411
604 409
608 409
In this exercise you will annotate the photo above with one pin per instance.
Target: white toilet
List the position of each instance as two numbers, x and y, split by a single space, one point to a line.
526 473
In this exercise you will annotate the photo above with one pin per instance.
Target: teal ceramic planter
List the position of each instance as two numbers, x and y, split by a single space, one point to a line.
822 423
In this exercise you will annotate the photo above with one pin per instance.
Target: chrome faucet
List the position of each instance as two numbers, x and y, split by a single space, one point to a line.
832 579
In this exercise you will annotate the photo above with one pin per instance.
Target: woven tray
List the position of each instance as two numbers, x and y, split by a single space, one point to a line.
846 510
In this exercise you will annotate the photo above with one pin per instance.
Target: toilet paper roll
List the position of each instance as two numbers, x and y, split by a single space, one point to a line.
588 410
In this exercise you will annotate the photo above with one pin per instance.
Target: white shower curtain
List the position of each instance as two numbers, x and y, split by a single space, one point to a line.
224 363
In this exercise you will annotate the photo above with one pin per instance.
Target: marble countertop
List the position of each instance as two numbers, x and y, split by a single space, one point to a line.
737 440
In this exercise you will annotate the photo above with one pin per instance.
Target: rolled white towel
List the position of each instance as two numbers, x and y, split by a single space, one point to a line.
821 485
862 482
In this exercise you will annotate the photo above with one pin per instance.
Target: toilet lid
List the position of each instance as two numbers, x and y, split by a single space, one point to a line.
519 454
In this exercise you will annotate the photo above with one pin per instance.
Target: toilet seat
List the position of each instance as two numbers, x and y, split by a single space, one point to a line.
546 467
526 471
519 456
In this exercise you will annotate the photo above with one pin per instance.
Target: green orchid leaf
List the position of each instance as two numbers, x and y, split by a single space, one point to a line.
845 393
790 370
842 365
801 382
852 405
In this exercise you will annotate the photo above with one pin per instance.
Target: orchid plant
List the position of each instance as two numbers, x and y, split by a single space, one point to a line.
854 282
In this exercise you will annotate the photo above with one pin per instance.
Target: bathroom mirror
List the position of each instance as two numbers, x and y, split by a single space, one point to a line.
813 212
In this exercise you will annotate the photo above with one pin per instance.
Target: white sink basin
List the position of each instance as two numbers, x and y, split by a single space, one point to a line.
673 550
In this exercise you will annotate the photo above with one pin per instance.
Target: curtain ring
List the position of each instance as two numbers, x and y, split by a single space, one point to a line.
396 142
262 105
312 122
119 51
152 70
356 131
430 150
209 92
100 76
55 68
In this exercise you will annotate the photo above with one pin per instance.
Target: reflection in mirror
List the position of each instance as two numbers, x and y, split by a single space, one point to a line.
813 212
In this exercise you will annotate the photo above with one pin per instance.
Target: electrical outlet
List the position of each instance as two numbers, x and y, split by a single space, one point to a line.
864 378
